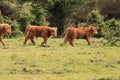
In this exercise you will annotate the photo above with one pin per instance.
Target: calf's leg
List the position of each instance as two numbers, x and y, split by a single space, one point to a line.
71 42
44 41
88 40
2 41
26 39
32 40
65 40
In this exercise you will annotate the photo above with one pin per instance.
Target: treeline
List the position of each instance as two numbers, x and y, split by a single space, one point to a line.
104 14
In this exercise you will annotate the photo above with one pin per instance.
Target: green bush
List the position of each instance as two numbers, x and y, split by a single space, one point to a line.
22 14
1 18
112 31
96 19
16 29
40 15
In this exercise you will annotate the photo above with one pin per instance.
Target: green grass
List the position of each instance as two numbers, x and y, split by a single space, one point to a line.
59 61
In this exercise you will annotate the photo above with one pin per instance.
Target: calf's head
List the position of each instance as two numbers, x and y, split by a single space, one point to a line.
53 31
93 30
6 29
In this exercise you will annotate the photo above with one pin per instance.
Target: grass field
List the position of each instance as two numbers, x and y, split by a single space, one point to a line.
59 62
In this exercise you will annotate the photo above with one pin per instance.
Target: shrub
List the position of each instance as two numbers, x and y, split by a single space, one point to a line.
40 15
22 14
112 31
16 29
96 19
1 18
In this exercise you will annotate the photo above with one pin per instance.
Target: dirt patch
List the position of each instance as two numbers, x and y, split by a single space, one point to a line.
98 52
96 60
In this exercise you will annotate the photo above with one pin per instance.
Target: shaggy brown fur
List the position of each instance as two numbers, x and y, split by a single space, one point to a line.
39 31
76 33
4 30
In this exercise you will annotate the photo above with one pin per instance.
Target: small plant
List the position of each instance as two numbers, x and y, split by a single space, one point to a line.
112 32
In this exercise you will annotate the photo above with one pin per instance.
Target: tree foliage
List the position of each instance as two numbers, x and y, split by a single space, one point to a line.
40 15
109 8
59 12
23 15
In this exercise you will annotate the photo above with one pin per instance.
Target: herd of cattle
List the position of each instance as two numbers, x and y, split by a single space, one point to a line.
70 34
